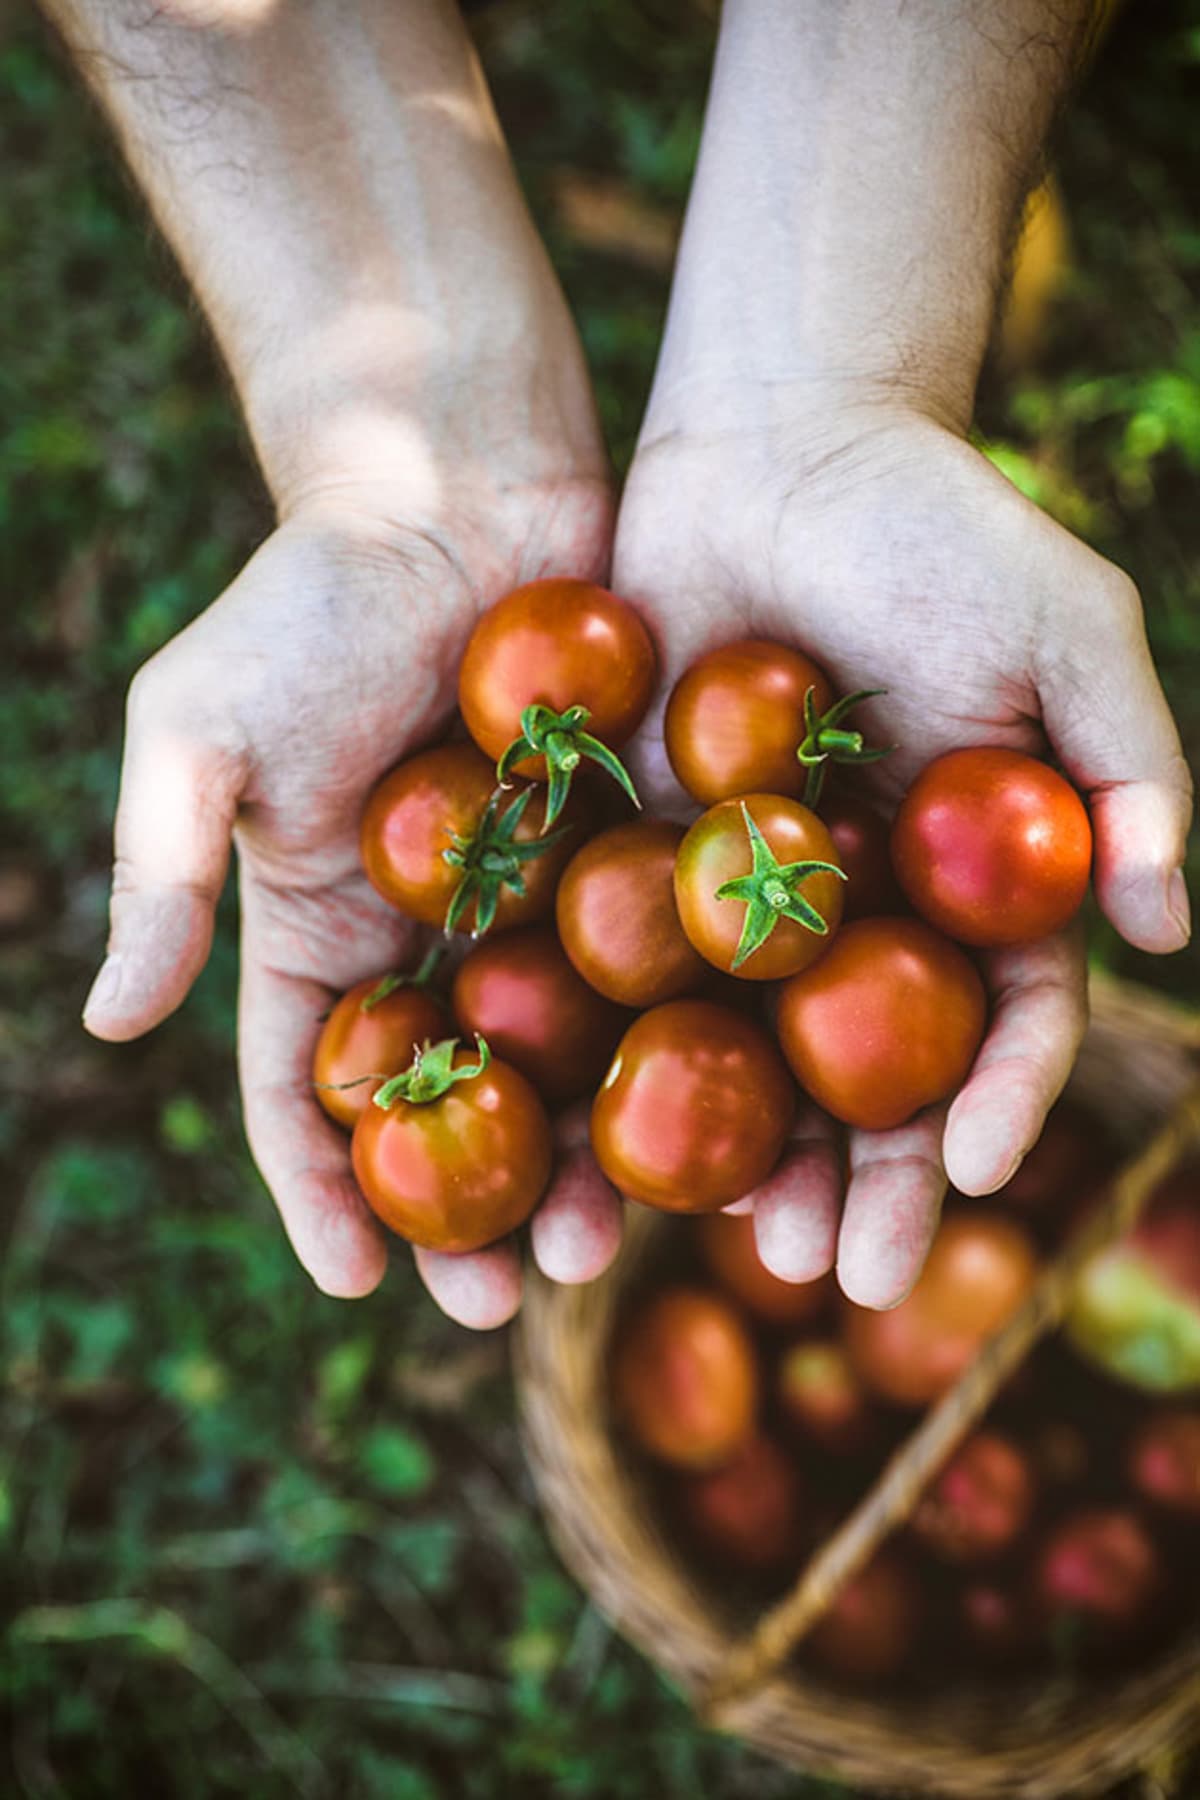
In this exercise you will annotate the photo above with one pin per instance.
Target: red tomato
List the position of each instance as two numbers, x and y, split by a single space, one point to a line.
871 1630
995 1621
685 1378
748 1511
980 1269
979 1504
719 848
992 847
456 1172
414 814
821 1392
556 643
360 1039
728 1247
1068 1158
736 717
695 1108
1163 1462
1099 1574
861 841
520 993
617 917
887 1022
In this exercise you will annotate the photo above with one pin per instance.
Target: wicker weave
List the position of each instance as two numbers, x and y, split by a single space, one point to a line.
1063 1736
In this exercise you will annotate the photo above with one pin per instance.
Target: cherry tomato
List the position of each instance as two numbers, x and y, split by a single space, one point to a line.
871 1630
979 1504
861 842
735 718
731 1254
720 848
520 993
980 1269
1163 1462
1068 1158
685 1378
413 817
1098 1574
462 1169
995 1621
992 847
617 917
821 1392
360 1038
748 1512
556 643
695 1108
887 1022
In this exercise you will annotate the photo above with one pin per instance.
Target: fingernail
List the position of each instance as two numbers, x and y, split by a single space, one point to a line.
105 988
1179 906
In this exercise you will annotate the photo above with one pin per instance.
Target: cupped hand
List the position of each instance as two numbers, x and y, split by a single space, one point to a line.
265 723
891 550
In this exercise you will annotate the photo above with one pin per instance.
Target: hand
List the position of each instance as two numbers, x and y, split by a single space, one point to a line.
332 655
883 544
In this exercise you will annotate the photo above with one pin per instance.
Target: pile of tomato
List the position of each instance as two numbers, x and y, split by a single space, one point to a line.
689 978
1064 1533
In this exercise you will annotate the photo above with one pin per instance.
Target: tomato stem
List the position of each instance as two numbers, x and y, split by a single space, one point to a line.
431 1074
491 860
421 977
771 892
824 741
562 741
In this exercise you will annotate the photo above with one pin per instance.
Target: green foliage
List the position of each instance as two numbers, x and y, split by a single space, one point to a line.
251 1545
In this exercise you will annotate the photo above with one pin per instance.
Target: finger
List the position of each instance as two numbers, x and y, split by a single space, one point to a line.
576 1231
1108 720
303 1157
480 1290
893 1201
1039 1015
796 1209
175 814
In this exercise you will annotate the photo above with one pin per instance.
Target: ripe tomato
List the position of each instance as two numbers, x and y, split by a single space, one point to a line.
861 842
413 817
520 993
871 1630
1163 1461
1099 1574
979 1504
694 1110
748 1511
980 1269
556 643
728 1248
995 1622
721 848
992 847
735 718
685 1378
887 1022
461 1168
821 1392
1068 1158
366 1037
617 917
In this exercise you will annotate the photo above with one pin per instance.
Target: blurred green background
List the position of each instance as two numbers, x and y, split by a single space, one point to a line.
258 1542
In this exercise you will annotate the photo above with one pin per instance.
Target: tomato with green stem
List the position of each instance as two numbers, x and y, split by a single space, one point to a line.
695 1108
617 918
374 1030
455 1152
759 887
887 1022
993 847
521 993
555 673
442 843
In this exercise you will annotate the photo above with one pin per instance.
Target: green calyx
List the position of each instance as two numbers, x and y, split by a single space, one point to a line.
491 859
771 892
561 739
825 741
421 977
431 1074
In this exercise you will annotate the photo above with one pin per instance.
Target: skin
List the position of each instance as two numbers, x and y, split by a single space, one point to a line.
617 918
356 1041
416 397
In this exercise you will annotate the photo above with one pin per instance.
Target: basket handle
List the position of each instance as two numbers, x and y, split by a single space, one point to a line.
905 1477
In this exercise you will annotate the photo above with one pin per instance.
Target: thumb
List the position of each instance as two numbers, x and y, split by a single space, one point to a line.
175 814
1109 722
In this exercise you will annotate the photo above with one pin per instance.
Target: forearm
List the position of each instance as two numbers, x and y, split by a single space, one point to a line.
332 177
861 169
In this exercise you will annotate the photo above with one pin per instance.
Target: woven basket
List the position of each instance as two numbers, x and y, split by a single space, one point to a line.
1066 1735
